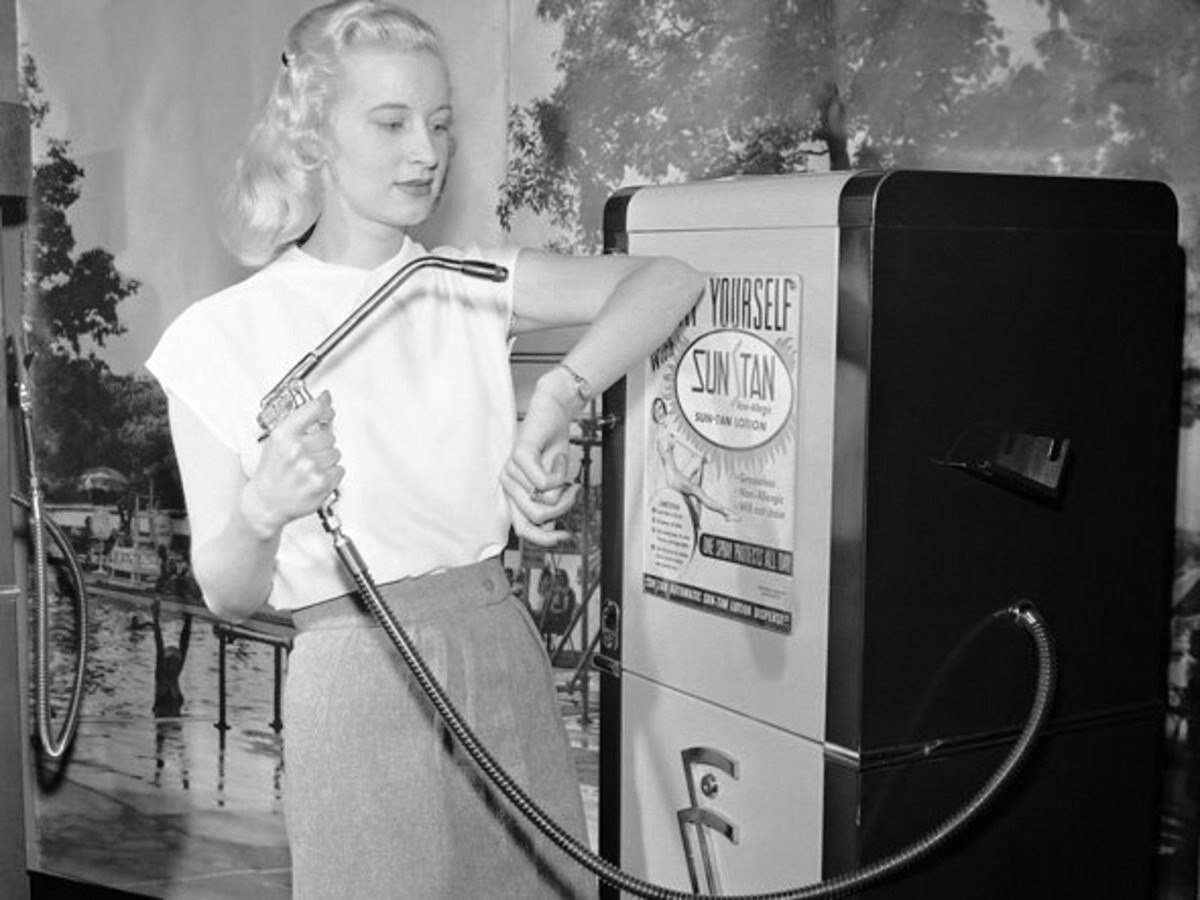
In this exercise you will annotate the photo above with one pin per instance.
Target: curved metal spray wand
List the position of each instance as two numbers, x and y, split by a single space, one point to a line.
291 392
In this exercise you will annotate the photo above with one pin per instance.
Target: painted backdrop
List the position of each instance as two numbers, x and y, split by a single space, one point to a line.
139 105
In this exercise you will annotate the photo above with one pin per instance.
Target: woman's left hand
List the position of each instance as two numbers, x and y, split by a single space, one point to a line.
535 477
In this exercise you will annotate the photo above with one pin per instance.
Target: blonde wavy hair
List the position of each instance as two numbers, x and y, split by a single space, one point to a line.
275 196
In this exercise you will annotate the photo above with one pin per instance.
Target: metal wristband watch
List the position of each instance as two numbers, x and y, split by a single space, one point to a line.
581 386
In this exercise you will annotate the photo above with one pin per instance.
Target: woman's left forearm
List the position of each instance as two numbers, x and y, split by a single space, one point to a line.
643 309
634 305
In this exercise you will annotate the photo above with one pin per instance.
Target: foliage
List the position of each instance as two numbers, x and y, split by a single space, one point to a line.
691 89
84 415
662 90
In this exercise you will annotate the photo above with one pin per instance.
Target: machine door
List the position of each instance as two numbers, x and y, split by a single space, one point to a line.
726 802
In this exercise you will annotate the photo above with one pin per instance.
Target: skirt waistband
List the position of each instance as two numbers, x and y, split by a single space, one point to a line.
413 600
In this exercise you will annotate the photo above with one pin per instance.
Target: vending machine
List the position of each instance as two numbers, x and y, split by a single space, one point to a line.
905 402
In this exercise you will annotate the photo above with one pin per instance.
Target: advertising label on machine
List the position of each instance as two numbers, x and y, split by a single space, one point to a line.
721 448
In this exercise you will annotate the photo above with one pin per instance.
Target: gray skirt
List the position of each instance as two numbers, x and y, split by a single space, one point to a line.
379 800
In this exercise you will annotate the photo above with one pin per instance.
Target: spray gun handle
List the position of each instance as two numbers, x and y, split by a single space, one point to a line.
286 397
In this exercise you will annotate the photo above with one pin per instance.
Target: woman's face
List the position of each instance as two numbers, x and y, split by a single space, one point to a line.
389 139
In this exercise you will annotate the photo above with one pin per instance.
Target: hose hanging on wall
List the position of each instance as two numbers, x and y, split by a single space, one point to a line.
53 745
291 392
56 747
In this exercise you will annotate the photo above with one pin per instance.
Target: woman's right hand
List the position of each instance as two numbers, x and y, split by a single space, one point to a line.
298 469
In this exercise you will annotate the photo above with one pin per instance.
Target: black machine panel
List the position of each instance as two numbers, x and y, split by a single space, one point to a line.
1023 360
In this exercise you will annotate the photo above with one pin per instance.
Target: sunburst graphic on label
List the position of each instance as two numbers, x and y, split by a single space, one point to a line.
732 395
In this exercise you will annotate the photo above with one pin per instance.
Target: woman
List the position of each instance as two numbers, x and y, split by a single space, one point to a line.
351 151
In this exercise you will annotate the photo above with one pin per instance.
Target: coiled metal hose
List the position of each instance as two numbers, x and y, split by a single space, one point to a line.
1024 614
54 745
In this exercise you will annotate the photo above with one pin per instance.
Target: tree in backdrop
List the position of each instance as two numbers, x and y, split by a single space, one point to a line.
85 415
690 89
687 89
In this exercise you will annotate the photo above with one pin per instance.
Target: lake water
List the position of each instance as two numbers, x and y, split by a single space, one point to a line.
166 805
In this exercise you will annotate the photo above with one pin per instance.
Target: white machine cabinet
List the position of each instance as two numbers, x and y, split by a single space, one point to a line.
887 418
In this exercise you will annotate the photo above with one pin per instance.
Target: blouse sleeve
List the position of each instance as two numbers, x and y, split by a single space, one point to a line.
191 364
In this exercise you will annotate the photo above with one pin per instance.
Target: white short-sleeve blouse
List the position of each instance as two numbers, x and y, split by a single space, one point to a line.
424 399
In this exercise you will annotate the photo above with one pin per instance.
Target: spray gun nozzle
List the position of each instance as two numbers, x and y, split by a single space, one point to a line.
477 268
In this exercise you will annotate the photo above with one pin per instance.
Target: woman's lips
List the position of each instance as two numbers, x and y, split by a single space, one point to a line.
417 187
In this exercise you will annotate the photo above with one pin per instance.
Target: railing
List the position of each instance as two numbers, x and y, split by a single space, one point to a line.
226 633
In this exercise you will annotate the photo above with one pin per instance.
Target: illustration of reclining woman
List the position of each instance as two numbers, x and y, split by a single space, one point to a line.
689 479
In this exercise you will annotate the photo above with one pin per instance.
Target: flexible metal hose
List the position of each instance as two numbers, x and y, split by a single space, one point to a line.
291 392
1025 615
55 746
